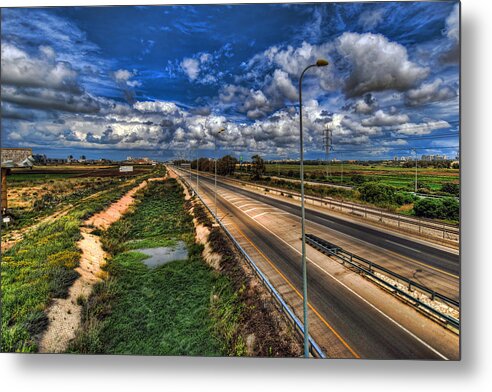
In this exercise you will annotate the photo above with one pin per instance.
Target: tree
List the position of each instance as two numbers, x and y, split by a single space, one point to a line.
226 165
204 164
373 192
445 208
258 167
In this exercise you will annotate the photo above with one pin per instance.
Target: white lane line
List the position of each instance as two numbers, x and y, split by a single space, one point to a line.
261 214
233 198
269 212
359 296
252 209
246 205
404 246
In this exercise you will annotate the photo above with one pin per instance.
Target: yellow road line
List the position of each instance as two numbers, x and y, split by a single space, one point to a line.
352 351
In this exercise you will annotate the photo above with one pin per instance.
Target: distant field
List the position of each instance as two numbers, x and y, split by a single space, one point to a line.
42 190
44 173
390 175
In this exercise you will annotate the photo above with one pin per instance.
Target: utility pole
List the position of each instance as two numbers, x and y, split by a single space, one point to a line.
328 141
416 169
341 174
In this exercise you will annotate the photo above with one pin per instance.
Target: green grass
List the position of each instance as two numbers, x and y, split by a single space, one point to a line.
400 177
180 308
41 267
38 268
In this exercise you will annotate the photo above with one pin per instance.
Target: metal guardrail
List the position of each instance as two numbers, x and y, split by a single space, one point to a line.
379 213
368 270
314 349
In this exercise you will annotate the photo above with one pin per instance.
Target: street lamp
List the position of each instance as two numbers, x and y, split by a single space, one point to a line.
319 63
215 187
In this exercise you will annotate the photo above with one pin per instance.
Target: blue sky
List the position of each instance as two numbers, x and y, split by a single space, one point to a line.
160 81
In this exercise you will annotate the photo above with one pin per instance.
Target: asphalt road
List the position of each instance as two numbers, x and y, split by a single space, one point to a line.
368 332
429 255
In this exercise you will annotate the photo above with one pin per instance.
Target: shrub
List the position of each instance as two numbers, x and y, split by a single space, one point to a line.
402 198
377 193
451 188
358 179
445 208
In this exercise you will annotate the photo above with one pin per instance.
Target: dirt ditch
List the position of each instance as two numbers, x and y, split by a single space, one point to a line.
64 315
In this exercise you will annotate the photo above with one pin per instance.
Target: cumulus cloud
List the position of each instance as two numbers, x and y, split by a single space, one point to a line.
191 67
430 92
156 107
42 71
292 60
50 100
278 89
452 32
377 64
422 128
382 119
123 76
370 19
366 105
453 24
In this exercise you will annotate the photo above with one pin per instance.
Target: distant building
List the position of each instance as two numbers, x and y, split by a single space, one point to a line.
434 158
9 158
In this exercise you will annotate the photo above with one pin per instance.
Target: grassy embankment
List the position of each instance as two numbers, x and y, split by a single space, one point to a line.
180 308
41 267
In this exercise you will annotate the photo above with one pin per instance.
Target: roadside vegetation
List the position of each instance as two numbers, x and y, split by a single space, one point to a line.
41 266
382 185
180 308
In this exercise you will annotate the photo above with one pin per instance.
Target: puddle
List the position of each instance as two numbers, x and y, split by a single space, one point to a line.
164 254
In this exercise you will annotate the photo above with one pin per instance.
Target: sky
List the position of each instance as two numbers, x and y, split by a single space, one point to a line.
161 81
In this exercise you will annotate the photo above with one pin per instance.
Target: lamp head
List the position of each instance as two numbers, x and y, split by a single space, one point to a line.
321 63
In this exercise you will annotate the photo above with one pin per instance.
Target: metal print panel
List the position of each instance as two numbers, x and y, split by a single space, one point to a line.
262 180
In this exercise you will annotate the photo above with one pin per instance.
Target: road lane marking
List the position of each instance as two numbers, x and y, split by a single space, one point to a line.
252 209
403 246
360 297
376 246
352 351
247 204
339 282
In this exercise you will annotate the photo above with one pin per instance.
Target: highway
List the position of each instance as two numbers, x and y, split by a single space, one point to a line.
350 317
437 269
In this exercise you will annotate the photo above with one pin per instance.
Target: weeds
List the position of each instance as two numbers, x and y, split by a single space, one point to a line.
41 267
180 308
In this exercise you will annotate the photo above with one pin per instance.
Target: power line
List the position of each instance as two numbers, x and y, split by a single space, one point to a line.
407 148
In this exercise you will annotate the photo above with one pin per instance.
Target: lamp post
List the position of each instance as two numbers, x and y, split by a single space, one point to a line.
215 186
319 63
